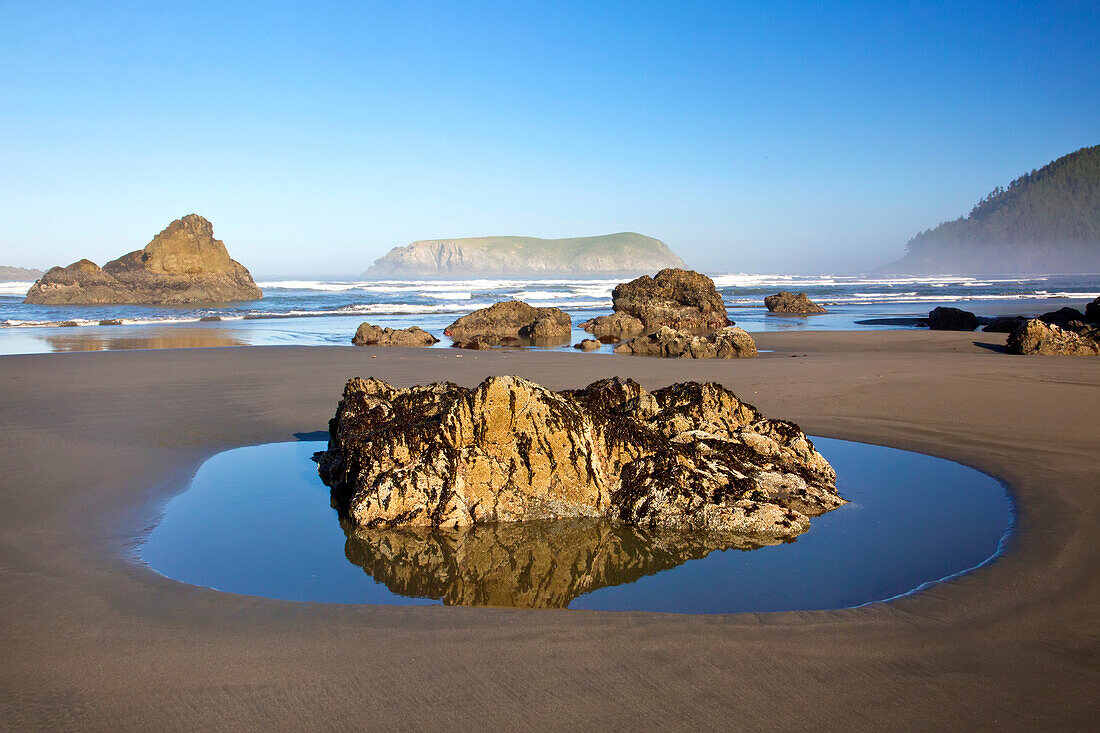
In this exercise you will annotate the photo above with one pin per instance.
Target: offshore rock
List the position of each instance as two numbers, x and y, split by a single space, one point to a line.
785 302
1039 337
728 343
691 456
182 264
515 319
951 319
526 564
680 299
370 335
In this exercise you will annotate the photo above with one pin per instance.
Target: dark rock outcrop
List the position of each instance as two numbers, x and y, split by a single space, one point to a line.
728 343
370 335
951 319
1004 324
785 302
1039 337
494 564
182 264
587 345
477 343
690 456
515 319
680 299
1092 311
1063 317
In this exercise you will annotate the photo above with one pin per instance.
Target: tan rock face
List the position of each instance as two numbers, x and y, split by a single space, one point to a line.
690 456
370 335
726 343
513 319
616 325
680 299
182 264
1037 337
786 302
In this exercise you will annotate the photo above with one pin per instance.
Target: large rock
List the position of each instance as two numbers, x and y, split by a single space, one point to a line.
690 456
370 335
680 299
1039 337
1092 311
951 319
494 564
182 264
617 326
515 319
785 302
728 343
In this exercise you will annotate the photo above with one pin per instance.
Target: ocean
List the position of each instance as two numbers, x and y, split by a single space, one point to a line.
327 311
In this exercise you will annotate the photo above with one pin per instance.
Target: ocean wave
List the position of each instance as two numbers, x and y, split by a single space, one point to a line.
15 288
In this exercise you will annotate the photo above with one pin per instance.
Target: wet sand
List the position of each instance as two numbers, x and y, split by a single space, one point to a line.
93 444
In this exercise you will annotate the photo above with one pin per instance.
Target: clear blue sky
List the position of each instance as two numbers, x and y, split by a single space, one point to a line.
760 137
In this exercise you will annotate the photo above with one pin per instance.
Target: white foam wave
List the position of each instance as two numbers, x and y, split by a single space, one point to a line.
15 288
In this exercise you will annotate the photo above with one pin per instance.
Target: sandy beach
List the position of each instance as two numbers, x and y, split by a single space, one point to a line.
93 444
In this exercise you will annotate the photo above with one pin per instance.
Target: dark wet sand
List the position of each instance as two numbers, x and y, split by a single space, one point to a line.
92 444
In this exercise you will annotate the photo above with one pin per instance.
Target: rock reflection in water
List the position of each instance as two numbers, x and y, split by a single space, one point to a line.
105 338
540 564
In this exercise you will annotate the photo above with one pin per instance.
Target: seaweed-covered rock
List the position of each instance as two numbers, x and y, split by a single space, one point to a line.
691 456
516 319
370 335
786 302
681 299
1039 337
727 343
951 319
182 264
617 326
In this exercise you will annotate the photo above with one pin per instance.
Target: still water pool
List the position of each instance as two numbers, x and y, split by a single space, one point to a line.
258 521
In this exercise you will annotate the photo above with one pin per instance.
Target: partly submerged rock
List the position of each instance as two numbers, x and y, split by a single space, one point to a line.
951 319
477 343
516 319
370 335
182 264
727 343
786 302
1039 337
587 345
526 564
617 326
690 455
680 299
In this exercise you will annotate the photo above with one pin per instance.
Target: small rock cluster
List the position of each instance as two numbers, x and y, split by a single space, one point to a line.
371 335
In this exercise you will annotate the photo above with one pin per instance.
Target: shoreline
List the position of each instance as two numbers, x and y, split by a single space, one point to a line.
109 437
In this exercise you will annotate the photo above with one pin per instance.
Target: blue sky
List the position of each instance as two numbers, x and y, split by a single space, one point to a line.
758 137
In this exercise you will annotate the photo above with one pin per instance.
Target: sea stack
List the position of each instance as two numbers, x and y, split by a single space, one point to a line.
182 264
